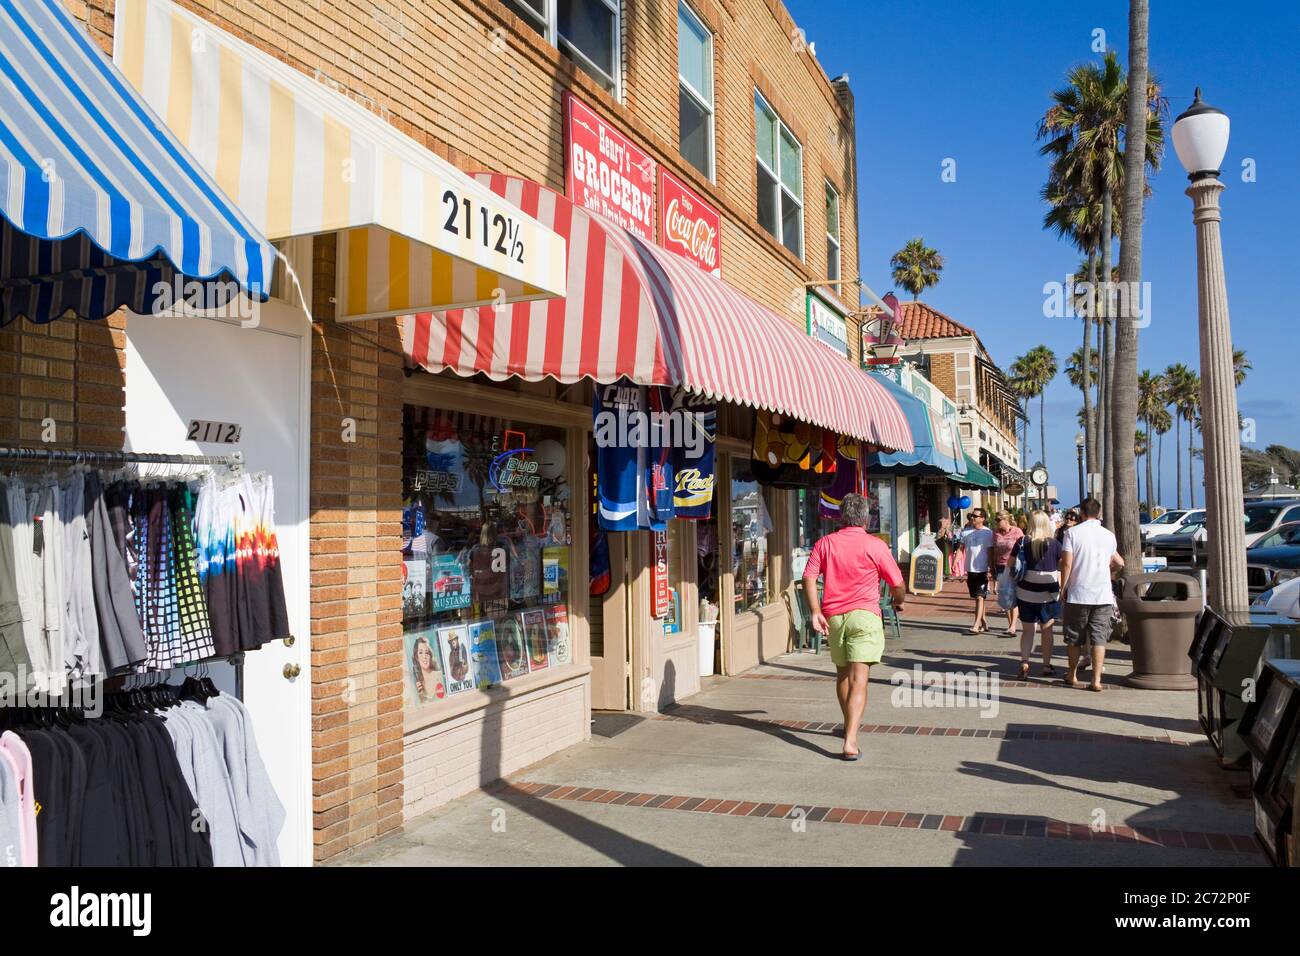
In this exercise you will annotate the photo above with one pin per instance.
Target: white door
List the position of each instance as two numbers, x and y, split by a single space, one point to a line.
184 369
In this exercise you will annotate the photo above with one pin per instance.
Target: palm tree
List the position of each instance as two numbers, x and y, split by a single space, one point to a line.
1189 406
1160 423
1074 373
1149 403
1082 129
1240 366
1143 146
1176 378
1030 376
916 267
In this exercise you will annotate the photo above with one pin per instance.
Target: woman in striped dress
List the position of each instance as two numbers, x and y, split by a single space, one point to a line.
1038 589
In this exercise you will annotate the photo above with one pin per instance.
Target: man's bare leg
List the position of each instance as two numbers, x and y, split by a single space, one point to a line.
842 692
858 675
1072 653
1098 659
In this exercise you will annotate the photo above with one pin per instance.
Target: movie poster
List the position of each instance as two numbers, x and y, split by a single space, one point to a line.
483 653
415 580
450 583
512 655
536 639
424 667
557 626
457 670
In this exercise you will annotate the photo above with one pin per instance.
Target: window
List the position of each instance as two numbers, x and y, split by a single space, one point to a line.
486 552
695 90
832 232
751 529
780 177
587 31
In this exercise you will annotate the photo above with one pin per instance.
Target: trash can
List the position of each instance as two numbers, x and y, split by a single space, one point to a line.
1160 609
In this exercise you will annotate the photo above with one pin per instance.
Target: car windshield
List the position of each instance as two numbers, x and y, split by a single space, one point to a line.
1169 517
1261 517
1287 534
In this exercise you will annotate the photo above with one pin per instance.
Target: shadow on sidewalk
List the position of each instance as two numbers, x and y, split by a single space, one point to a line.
698 714
617 846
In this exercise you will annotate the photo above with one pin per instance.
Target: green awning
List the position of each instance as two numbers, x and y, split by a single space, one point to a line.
976 477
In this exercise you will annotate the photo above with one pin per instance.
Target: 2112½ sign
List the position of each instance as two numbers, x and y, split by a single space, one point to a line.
223 433
460 220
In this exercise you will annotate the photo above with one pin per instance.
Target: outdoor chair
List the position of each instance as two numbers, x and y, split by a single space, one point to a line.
887 613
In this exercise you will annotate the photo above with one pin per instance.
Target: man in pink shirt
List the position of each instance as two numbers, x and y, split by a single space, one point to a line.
853 563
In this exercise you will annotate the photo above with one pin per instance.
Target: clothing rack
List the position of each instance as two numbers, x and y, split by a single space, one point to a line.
233 461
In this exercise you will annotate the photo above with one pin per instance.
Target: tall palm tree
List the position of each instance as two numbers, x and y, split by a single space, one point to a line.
1141 446
1030 376
1160 423
1082 129
916 267
1189 406
1149 404
1175 388
1074 373
1143 146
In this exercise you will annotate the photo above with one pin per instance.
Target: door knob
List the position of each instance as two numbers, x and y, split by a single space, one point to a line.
291 671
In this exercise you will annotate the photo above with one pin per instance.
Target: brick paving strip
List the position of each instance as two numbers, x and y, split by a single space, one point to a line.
1068 736
982 823
1002 681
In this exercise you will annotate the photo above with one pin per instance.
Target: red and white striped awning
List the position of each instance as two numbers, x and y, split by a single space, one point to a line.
636 311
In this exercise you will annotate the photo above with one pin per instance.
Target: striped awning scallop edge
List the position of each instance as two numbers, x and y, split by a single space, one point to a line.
636 311
99 202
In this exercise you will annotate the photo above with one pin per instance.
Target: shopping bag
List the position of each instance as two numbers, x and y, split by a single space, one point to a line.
1006 590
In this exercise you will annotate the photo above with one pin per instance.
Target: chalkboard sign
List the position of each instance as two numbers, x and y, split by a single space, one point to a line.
927 572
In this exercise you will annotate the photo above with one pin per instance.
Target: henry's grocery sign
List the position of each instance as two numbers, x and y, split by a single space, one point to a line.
606 172
688 225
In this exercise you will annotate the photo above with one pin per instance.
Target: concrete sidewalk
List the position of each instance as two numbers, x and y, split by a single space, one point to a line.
745 773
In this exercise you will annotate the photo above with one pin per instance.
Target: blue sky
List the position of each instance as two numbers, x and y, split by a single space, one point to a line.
969 80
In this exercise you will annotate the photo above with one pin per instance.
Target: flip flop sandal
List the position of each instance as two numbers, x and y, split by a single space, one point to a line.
1024 672
1095 688
851 757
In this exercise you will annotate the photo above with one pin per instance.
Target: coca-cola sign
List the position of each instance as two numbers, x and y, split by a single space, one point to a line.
688 225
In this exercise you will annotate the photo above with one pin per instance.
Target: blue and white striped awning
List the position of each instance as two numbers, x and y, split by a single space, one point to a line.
99 201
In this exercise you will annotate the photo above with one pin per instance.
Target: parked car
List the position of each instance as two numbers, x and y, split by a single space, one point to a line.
1284 598
1273 559
1179 548
1263 516
1167 523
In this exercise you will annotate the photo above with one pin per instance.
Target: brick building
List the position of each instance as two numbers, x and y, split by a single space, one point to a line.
723 96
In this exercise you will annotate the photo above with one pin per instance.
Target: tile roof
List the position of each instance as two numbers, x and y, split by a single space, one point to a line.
921 321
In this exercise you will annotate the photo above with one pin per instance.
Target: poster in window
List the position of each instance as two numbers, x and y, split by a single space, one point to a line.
450 582
555 573
457 670
557 626
415 583
511 652
483 653
536 639
659 576
424 666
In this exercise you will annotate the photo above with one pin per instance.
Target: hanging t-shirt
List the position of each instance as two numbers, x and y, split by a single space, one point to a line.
694 475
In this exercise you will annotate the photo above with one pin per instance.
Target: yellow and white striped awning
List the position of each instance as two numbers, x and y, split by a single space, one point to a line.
415 233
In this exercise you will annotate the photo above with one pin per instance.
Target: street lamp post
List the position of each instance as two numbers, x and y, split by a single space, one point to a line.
1079 442
1201 140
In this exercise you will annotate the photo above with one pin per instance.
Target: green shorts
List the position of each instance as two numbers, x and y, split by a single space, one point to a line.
856 637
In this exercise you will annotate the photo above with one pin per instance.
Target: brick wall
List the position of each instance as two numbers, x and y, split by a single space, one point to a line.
456 756
943 373
356 506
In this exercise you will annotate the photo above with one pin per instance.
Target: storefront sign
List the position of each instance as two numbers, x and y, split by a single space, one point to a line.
927 569
659 595
827 324
688 225
606 172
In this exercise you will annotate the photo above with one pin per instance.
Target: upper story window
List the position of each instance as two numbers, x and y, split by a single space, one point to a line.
780 177
832 232
695 89
587 31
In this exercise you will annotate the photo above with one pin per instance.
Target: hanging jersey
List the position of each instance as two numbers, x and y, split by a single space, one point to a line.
694 473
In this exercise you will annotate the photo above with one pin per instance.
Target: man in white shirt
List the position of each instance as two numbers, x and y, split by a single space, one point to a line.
978 542
1089 555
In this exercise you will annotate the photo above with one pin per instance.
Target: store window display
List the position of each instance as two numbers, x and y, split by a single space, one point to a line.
486 549
751 527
